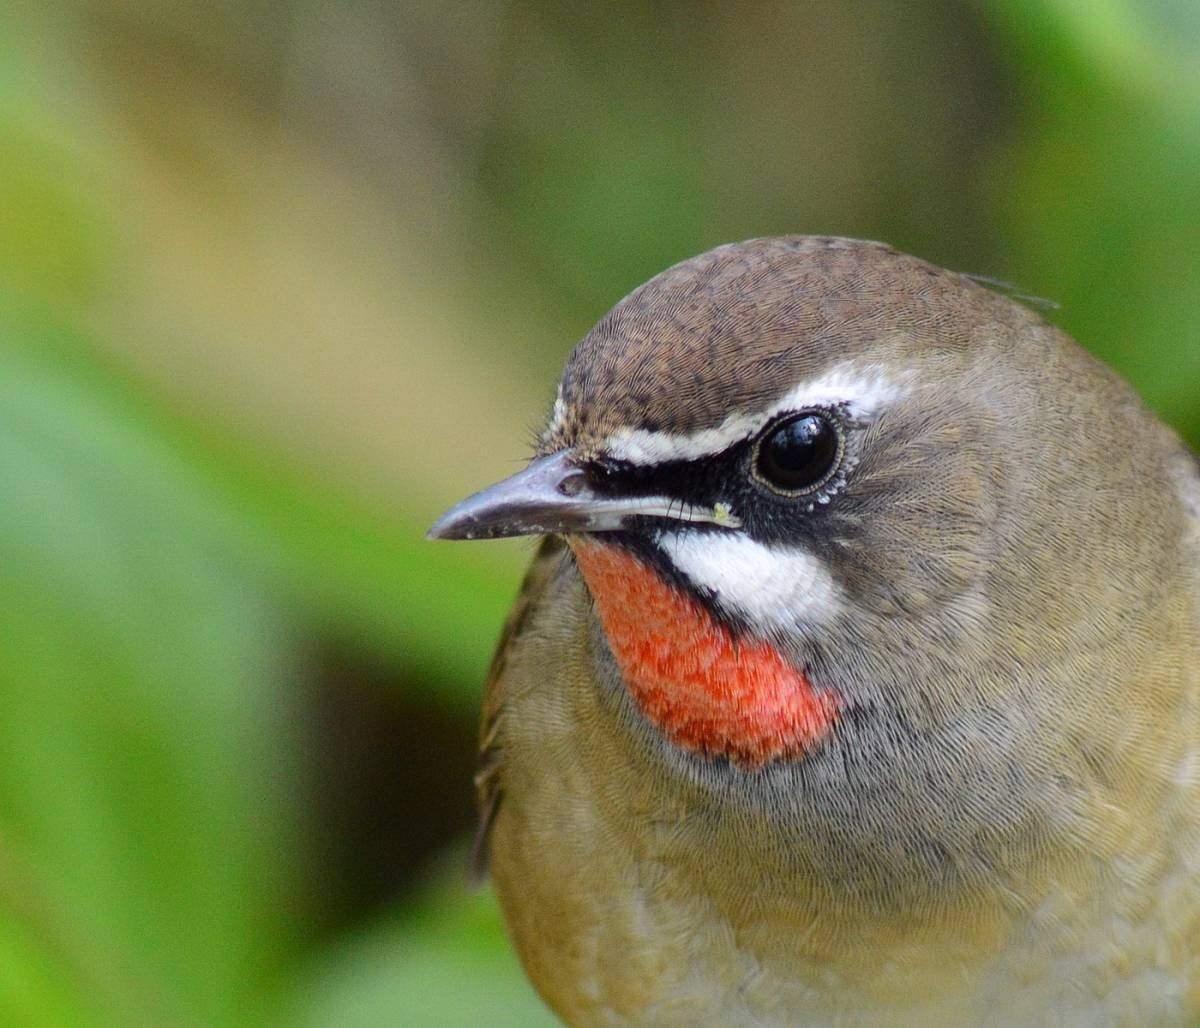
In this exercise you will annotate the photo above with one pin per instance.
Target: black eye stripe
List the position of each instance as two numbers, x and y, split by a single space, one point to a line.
712 477
700 481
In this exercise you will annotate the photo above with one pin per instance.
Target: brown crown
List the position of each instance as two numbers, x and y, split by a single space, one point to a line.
733 328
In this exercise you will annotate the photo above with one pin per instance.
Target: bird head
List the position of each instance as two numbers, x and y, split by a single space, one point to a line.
846 516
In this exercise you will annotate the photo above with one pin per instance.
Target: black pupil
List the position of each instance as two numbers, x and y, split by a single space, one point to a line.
799 453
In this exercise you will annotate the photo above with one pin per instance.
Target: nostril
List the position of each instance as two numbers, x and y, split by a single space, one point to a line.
573 484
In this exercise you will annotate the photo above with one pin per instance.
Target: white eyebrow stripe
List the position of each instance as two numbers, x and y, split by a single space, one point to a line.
863 391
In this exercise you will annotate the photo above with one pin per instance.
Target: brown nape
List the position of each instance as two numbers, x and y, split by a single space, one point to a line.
725 331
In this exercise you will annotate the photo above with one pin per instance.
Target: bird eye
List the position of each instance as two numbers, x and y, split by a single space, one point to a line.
799 454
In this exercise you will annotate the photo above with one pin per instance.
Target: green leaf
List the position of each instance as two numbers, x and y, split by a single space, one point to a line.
1096 190
144 751
447 963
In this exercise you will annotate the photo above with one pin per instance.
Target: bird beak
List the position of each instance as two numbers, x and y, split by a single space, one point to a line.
552 494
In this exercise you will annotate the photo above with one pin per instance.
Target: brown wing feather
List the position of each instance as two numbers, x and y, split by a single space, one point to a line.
487 778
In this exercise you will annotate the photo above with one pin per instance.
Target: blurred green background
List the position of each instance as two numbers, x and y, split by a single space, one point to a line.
279 281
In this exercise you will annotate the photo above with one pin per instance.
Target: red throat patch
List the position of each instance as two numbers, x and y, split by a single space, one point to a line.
708 691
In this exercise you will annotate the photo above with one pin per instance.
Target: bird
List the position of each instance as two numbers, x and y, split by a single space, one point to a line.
856 677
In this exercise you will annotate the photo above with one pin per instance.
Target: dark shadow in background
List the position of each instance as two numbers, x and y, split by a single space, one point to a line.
391 776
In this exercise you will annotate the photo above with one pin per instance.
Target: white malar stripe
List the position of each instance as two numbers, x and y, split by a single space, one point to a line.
862 390
773 587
